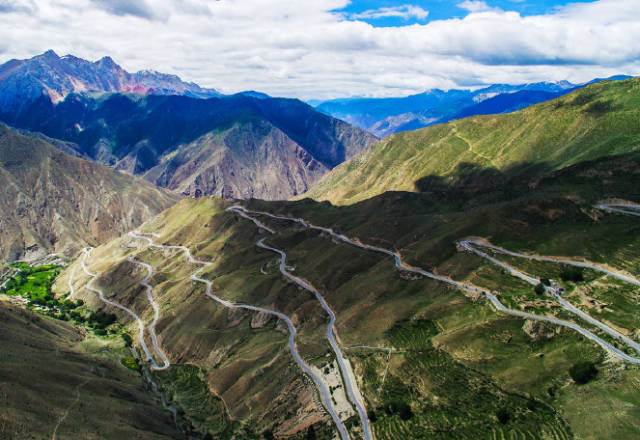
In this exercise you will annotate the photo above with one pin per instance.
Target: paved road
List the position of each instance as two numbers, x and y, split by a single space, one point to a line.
143 344
469 245
330 336
492 298
627 209
320 385
580 264
350 384
156 313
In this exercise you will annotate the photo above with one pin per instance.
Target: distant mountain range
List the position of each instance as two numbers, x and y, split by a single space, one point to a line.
56 77
383 116
244 145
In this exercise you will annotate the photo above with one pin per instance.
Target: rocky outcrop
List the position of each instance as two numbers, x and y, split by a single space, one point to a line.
538 330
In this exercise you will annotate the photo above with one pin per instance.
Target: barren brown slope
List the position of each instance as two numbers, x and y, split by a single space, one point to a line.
57 383
236 146
53 202
252 159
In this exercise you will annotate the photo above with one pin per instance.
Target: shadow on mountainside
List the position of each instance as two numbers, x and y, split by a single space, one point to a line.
523 207
471 180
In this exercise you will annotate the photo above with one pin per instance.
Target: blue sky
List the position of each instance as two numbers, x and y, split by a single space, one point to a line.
336 48
445 9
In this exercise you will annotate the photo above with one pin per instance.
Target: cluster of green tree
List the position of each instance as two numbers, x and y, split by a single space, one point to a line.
583 372
100 321
574 274
398 407
33 283
503 415
131 363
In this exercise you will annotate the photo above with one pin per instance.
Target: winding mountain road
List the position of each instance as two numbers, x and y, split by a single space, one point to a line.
492 298
469 245
346 374
351 385
320 385
143 344
156 312
555 260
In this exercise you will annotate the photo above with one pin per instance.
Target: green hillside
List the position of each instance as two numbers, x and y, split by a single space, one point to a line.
458 369
599 120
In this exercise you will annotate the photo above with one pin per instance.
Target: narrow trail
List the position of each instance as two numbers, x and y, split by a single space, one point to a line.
320 385
157 392
384 376
9 277
348 378
143 344
470 145
492 298
66 412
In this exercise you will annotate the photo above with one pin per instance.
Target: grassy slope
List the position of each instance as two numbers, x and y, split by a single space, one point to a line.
453 378
551 215
601 119
245 365
46 364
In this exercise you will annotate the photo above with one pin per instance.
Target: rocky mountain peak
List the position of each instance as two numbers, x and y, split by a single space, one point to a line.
56 77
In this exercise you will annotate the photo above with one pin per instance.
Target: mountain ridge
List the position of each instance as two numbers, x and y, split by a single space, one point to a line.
384 116
596 120
233 146
54 202
56 77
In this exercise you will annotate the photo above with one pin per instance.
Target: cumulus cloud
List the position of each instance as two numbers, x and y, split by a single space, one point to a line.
306 49
405 12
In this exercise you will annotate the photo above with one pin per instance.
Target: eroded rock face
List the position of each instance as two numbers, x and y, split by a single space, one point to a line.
260 319
254 161
538 330
53 202
234 146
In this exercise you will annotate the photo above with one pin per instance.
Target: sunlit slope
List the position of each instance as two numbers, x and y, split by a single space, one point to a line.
600 120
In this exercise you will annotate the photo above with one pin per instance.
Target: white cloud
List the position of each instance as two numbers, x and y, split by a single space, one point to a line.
137 8
405 12
303 49
476 6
